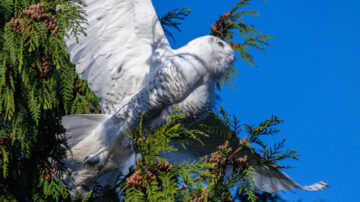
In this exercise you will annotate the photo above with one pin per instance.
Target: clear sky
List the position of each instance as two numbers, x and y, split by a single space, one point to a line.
310 78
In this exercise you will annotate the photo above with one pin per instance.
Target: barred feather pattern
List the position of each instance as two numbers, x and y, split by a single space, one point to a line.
316 187
167 92
184 81
167 88
272 180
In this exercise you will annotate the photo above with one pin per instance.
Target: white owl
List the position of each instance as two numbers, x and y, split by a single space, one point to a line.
130 65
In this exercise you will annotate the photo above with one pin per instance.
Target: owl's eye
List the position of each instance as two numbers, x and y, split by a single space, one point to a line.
220 44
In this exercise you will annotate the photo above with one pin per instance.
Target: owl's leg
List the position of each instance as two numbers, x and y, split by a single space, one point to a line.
116 151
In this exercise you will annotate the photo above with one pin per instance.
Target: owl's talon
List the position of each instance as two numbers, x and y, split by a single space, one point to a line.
97 160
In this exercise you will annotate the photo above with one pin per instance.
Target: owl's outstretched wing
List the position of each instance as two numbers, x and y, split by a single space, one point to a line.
124 43
272 180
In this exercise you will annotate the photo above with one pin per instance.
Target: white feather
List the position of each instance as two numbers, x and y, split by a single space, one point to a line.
272 180
124 42
82 137
79 126
130 65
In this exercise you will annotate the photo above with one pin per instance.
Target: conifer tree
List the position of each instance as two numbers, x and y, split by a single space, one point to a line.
39 85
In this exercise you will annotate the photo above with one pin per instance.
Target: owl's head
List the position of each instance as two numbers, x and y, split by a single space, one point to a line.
215 52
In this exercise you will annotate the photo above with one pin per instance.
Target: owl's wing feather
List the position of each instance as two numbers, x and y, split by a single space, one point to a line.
124 42
269 180
79 126
272 180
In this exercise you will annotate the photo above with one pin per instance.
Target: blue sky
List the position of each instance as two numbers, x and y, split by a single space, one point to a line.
310 78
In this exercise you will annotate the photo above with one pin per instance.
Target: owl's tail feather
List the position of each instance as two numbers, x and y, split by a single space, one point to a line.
83 139
272 180
79 131
78 127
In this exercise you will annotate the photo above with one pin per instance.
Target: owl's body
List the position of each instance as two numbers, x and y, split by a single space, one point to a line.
130 65
183 81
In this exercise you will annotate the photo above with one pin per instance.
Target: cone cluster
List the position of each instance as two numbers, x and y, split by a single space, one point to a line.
242 162
135 179
142 175
222 157
45 66
77 87
222 26
166 167
201 198
36 13
48 173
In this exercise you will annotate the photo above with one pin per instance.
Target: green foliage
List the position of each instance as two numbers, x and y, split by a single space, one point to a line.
272 155
232 28
155 179
171 20
227 27
38 85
